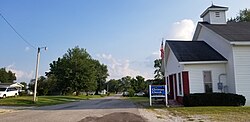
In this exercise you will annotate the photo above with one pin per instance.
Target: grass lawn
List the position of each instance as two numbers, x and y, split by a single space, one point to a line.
220 113
213 113
42 100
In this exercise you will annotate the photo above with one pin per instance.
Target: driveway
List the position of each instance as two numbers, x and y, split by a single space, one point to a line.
95 110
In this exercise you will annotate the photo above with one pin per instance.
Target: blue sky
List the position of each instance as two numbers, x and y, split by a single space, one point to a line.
125 35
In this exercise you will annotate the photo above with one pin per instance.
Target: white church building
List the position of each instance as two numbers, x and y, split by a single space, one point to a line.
216 60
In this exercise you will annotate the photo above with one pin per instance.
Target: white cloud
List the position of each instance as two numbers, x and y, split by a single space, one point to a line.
20 75
182 30
120 68
150 59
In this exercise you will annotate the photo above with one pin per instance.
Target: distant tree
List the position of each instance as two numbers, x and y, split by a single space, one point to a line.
31 85
244 16
42 85
138 84
125 83
6 76
25 85
101 75
114 86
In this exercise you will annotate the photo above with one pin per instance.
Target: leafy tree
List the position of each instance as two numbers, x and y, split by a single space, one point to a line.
25 85
157 66
114 86
42 85
138 84
244 16
76 71
6 76
125 82
31 85
101 75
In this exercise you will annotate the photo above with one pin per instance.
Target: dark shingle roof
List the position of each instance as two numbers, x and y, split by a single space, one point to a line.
232 31
215 6
186 51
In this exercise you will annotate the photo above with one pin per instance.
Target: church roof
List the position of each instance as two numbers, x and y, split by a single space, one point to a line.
232 31
190 51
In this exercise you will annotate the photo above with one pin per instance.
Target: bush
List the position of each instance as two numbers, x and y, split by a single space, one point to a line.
214 99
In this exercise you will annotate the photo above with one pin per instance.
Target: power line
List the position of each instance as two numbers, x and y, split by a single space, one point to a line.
17 32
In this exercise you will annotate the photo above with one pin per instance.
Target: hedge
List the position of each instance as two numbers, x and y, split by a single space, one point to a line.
214 99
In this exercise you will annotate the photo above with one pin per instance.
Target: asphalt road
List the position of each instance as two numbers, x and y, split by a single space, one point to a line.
110 109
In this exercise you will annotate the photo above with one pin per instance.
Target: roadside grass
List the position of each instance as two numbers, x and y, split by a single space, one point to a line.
43 100
213 113
140 101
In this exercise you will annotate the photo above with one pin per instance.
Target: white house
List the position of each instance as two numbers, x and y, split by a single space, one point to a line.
216 60
18 86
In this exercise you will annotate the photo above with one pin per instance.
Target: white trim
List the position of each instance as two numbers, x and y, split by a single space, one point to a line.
178 89
241 43
203 62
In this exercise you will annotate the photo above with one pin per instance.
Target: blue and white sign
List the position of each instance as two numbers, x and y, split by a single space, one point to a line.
157 91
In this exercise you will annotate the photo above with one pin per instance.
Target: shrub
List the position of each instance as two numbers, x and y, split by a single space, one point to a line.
214 99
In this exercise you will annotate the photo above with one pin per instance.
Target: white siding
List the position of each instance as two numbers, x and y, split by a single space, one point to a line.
173 66
217 20
196 83
224 48
211 18
242 70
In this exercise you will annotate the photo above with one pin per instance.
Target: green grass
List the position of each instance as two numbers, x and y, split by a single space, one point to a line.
141 101
213 113
42 100
220 113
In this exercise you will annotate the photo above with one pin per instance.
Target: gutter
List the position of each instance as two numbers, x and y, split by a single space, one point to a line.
240 43
203 62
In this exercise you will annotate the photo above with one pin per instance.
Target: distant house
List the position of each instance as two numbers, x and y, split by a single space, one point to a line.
216 60
18 86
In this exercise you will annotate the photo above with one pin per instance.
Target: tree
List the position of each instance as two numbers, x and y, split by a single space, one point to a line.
6 76
138 84
114 86
244 16
157 66
24 85
125 83
101 75
42 85
76 71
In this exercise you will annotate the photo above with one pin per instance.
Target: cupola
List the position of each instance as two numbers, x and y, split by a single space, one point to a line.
215 15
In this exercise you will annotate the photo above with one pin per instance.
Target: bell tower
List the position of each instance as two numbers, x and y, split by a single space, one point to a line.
215 15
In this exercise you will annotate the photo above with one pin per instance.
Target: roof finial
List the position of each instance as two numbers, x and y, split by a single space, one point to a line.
212 3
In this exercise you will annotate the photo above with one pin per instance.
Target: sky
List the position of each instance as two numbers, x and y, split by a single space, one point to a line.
123 34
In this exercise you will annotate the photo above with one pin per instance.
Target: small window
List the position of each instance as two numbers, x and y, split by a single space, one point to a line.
207 78
180 91
217 14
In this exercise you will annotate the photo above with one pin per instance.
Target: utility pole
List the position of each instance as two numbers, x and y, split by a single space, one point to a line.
37 68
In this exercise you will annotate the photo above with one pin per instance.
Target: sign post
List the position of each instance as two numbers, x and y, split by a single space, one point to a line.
158 91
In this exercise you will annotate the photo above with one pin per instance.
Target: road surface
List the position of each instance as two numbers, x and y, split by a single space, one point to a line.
96 110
